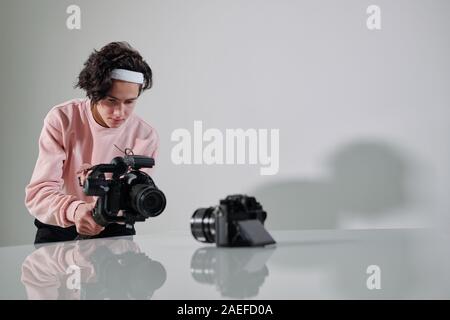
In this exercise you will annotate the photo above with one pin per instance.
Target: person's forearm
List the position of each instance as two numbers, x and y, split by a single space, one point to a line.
49 205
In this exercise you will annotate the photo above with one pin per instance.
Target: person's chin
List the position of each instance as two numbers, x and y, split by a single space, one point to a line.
115 124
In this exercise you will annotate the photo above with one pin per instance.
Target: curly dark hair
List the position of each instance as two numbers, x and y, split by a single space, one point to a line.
95 78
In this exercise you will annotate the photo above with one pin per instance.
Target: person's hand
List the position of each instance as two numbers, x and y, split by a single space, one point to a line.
82 172
84 222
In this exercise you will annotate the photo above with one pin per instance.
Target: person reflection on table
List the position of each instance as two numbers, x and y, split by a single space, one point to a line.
92 269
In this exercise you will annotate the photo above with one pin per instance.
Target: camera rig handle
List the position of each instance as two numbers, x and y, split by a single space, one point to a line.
119 165
138 162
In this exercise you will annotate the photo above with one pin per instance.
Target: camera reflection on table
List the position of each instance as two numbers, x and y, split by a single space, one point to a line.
235 272
93 269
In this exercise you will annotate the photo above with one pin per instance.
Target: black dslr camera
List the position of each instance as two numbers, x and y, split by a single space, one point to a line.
237 221
129 190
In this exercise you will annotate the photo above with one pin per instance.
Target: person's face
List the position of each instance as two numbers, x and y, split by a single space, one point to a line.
119 103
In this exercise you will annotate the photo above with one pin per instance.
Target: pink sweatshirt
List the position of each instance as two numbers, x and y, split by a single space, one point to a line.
69 138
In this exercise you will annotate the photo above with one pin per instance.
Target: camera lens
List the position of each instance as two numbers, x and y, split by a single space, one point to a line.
146 200
203 225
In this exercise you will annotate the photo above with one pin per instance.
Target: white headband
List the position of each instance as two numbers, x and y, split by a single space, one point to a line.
127 75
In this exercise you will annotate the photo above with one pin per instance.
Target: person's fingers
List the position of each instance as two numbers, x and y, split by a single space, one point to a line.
91 222
84 231
94 226
84 167
90 208
82 172
91 205
82 178
86 224
96 230
90 230
99 229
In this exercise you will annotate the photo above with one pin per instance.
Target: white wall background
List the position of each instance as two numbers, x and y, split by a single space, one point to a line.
363 115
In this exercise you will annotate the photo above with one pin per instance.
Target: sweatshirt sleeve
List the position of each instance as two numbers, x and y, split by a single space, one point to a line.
44 197
154 145
151 149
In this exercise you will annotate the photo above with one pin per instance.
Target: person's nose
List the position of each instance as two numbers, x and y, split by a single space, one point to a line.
119 111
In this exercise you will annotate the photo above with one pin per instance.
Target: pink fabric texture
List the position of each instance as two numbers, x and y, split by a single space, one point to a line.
70 137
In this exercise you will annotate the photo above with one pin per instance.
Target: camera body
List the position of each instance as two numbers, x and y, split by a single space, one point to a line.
237 221
131 191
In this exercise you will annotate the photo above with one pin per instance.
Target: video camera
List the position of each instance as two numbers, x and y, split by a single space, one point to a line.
130 190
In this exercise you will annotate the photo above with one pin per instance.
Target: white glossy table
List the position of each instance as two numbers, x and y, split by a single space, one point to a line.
312 264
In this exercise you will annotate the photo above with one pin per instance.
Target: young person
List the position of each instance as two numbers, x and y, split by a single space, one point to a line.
81 132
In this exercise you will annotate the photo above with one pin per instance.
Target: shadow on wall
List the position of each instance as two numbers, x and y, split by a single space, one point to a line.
366 179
